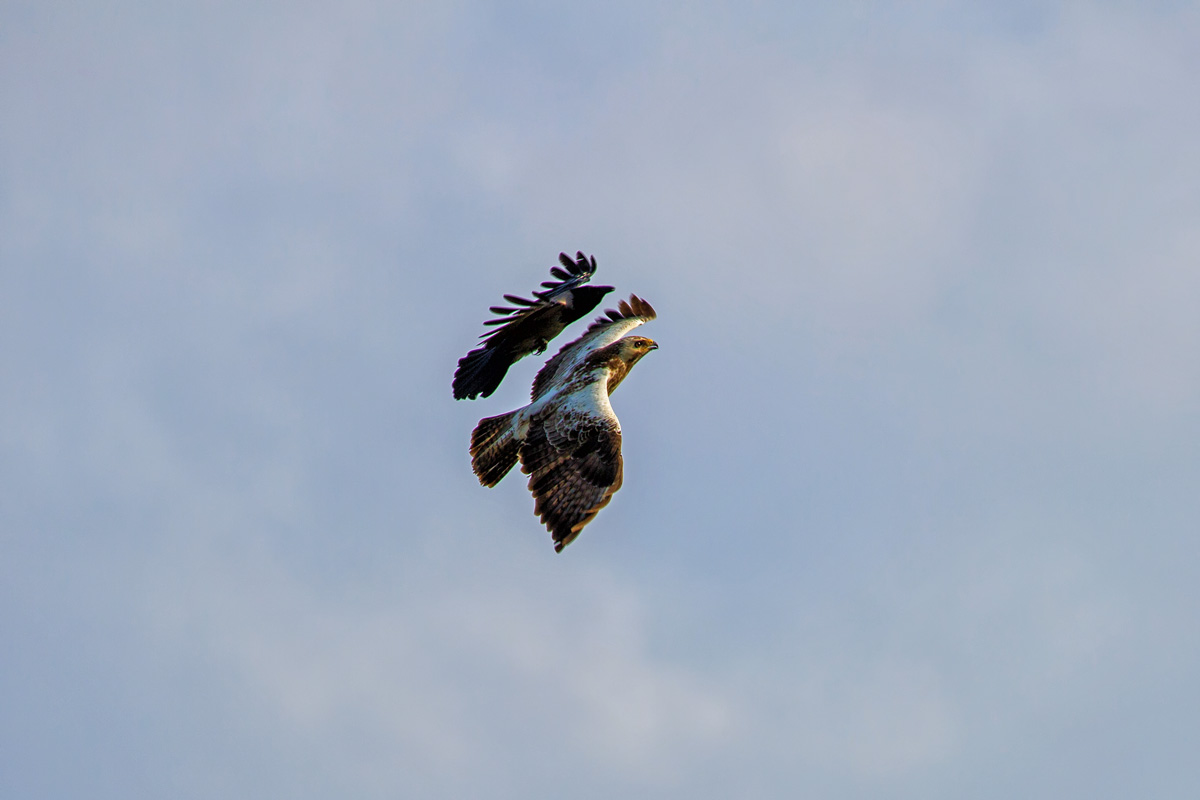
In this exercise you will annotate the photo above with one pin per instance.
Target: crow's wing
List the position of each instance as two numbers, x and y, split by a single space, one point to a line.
527 326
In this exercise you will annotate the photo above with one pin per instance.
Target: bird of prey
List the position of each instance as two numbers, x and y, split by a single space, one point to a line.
568 439
528 327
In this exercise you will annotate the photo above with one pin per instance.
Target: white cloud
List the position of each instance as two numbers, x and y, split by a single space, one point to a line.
476 667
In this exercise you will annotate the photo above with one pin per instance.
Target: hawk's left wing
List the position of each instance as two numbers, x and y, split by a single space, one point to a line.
572 455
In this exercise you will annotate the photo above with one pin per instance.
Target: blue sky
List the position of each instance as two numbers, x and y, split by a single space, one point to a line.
910 504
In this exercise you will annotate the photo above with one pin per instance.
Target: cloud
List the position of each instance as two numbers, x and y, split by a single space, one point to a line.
477 666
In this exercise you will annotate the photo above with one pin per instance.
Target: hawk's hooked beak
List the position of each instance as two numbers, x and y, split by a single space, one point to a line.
653 345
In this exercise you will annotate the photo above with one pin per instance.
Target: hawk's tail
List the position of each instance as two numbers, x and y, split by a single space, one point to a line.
494 447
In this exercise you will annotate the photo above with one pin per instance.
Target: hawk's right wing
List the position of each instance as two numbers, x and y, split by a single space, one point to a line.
610 327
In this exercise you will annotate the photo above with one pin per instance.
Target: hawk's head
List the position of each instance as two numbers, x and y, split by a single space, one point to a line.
618 358
634 347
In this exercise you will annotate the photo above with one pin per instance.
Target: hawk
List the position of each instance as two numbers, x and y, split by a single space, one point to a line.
568 439
530 326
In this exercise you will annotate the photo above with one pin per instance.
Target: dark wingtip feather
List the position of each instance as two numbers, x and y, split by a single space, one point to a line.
641 308
580 265
574 272
633 307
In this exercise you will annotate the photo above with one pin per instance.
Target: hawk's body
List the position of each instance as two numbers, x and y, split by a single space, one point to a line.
568 439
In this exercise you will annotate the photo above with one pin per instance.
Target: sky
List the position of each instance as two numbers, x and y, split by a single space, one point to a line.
910 505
